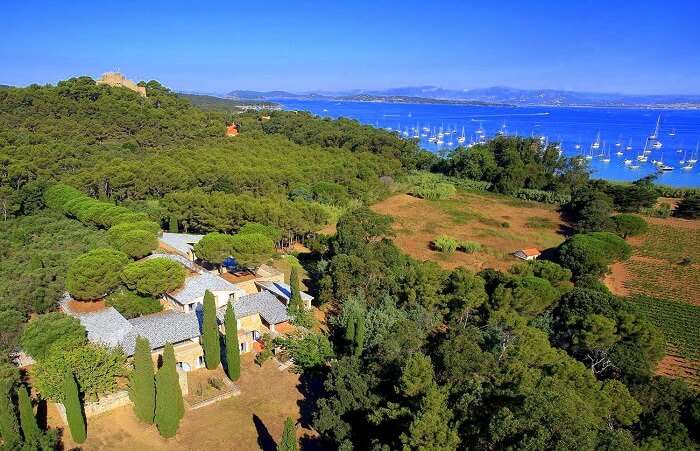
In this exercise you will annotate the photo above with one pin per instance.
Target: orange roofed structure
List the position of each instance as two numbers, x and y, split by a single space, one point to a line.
232 130
529 253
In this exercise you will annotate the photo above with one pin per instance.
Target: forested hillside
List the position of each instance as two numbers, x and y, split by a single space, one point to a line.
162 156
414 357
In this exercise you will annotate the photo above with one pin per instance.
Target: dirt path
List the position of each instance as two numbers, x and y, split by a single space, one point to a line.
615 279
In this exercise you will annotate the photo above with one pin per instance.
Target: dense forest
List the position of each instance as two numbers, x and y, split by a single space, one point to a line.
417 357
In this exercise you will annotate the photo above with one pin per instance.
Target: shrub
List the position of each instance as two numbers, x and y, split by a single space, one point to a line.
154 276
431 187
469 247
688 207
629 225
94 274
131 305
591 253
445 244
97 369
537 222
661 211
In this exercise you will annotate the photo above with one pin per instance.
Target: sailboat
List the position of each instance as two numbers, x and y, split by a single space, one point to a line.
694 155
502 131
596 143
461 138
654 137
683 160
619 152
672 132
629 146
606 158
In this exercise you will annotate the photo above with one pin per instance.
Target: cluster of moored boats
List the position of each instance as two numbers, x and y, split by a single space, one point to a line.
633 160
600 150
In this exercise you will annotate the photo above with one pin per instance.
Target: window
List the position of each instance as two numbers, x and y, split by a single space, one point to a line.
243 347
200 361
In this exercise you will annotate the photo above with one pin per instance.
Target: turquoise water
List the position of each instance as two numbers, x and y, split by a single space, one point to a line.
570 126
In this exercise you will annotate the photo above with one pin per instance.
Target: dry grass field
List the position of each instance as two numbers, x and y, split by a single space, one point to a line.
500 224
251 421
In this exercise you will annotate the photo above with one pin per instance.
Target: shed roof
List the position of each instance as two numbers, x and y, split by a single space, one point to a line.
181 242
281 289
196 285
530 251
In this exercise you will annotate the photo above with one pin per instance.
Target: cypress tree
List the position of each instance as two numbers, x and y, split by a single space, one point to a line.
288 442
296 305
210 333
74 410
233 356
359 341
169 404
9 429
30 428
350 330
172 224
142 389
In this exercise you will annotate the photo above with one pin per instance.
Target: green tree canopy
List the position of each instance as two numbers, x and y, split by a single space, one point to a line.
210 332
74 409
96 273
214 247
142 389
154 276
49 331
170 406
233 356
252 249
627 225
288 441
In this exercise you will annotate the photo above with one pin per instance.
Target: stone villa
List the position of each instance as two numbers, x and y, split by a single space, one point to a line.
259 299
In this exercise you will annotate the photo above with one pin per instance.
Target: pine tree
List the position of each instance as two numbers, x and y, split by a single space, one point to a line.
288 442
9 429
169 404
359 340
233 356
431 427
142 389
210 333
74 410
296 304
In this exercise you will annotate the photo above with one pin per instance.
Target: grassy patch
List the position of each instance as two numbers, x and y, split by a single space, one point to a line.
538 222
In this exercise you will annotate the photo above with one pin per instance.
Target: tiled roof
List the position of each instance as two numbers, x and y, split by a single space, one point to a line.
177 258
530 251
182 242
196 285
161 328
263 303
110 328
106 326
281 289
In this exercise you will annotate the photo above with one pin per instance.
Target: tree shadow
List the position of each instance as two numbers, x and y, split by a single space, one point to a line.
311 387
265 440
42 414
309 443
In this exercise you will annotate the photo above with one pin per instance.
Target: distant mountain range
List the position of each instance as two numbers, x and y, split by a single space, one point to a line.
493 95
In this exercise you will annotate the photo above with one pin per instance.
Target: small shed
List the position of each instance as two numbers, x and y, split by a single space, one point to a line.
529 253
232 130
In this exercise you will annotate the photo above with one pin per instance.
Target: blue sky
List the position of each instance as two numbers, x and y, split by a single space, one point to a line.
211 46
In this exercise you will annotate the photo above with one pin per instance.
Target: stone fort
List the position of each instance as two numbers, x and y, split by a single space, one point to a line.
115 79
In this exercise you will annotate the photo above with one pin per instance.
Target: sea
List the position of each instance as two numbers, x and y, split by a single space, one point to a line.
576 129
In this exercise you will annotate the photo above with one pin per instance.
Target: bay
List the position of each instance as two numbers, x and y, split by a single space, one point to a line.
679 129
